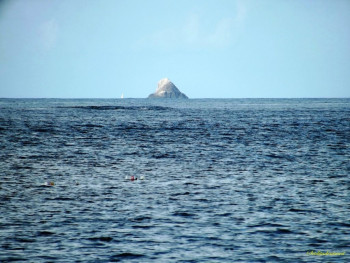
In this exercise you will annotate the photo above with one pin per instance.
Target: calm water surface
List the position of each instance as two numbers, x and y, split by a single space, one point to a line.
241 180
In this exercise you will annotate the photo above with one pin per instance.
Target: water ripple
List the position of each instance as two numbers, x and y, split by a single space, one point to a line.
223 180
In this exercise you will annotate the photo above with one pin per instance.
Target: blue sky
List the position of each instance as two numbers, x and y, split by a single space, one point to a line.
209 49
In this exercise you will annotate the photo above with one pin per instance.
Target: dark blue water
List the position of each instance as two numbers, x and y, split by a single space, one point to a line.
241 180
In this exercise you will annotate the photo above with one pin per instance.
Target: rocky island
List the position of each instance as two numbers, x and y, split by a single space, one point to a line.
167 89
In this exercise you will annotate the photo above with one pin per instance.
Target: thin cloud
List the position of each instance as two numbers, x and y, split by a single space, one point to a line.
193 33
223 34
241 13
48 34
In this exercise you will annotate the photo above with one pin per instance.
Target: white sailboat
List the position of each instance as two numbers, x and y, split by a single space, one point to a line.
122 96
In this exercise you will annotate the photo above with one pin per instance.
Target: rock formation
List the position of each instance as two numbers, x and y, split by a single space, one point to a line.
167 89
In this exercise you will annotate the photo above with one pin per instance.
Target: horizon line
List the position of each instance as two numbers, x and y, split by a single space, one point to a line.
160 99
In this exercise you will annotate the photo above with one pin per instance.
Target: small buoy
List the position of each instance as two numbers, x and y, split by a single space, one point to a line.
131 178
142 177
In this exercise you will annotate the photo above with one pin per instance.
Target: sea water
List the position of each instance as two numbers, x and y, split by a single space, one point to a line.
224 180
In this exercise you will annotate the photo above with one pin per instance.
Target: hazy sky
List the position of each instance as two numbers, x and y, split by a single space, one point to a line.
209 49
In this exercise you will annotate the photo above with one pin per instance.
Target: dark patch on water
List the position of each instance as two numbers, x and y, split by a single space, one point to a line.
45 233
183 214
103 239
125 256
113 108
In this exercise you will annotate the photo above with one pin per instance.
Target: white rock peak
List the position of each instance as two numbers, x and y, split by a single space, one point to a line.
163 82
167 89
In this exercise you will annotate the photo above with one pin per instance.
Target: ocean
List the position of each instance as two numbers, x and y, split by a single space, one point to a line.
223 180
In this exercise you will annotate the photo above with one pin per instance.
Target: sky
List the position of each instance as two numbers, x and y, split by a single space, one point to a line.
207 48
